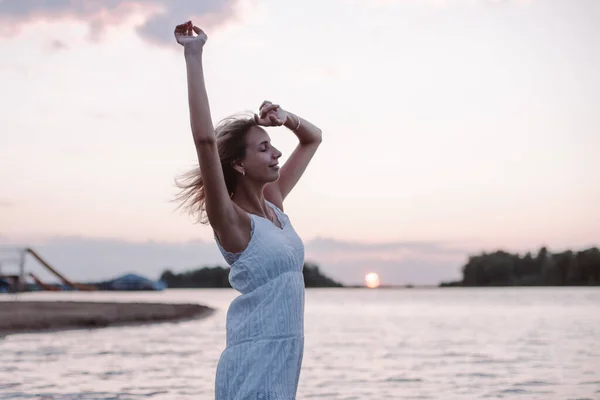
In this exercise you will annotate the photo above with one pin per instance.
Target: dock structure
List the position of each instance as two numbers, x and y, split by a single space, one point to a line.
16 280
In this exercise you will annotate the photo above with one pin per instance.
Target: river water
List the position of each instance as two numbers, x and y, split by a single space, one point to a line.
452 343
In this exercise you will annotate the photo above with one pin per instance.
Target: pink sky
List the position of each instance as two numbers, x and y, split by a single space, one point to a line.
469 124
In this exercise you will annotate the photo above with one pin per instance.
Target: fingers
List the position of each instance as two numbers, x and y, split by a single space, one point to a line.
268 108
182 28
188 29
267 115
265 103
198 30
261 121
275 120
270 120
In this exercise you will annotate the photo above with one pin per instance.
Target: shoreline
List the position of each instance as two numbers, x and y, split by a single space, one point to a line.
49 316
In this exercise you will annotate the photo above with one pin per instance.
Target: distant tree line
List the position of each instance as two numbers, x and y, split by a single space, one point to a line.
500 268
313 277
217 277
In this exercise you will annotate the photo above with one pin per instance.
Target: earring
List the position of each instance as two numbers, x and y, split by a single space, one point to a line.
243 172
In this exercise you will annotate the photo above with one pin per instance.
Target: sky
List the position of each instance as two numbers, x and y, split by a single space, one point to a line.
449 128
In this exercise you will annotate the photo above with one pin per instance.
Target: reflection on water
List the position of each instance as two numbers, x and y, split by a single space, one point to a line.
526 343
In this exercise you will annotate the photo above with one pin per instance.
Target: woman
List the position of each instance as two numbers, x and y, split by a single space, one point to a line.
239 190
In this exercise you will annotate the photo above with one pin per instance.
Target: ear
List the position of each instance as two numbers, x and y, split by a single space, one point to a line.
239 167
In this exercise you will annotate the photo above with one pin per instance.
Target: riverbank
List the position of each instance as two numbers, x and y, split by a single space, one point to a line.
33 316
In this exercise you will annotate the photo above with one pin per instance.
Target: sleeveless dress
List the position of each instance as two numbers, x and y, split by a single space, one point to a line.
265 323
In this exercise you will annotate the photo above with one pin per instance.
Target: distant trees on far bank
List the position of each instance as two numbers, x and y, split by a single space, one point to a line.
217 277
500 268
313 277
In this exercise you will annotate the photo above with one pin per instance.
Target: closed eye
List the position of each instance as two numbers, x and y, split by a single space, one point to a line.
263 146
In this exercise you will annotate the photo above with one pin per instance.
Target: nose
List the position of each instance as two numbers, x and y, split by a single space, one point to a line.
276 154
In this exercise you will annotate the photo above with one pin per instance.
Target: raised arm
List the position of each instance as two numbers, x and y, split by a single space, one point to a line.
309 137
219 207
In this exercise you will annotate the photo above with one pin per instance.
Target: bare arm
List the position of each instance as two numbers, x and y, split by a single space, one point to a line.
309 137
219 207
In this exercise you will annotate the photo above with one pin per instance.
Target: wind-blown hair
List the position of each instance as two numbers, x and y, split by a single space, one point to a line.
231 143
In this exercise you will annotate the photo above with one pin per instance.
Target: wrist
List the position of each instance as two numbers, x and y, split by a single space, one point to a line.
192 50
292 121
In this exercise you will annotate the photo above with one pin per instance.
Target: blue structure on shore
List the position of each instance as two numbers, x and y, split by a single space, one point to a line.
4 286
134 282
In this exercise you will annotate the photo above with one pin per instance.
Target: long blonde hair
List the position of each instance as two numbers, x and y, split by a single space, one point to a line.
231 144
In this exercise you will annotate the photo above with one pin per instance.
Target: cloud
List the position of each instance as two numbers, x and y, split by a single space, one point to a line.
416 262
85 259
161 16
6 203
328 245
57 45
442 4
13 67
73 151
333 251
451 2
90 259
414 271
101 115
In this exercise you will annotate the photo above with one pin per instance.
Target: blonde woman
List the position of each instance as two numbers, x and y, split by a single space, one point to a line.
239 189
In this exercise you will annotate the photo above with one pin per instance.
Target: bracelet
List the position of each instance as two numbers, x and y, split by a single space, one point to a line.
298 127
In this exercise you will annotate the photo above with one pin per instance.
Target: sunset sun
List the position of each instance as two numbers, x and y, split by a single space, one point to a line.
372 280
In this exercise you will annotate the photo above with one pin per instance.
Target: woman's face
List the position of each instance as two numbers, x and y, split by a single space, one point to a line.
261 161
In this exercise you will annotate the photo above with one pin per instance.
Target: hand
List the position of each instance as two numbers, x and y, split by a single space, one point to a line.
184 34
271 115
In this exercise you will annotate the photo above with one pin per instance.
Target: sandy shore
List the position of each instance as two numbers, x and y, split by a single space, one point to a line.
28 316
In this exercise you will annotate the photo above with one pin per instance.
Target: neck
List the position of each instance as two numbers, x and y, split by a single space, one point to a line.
250 196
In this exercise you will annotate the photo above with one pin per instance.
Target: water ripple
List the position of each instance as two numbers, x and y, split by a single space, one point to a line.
367 345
